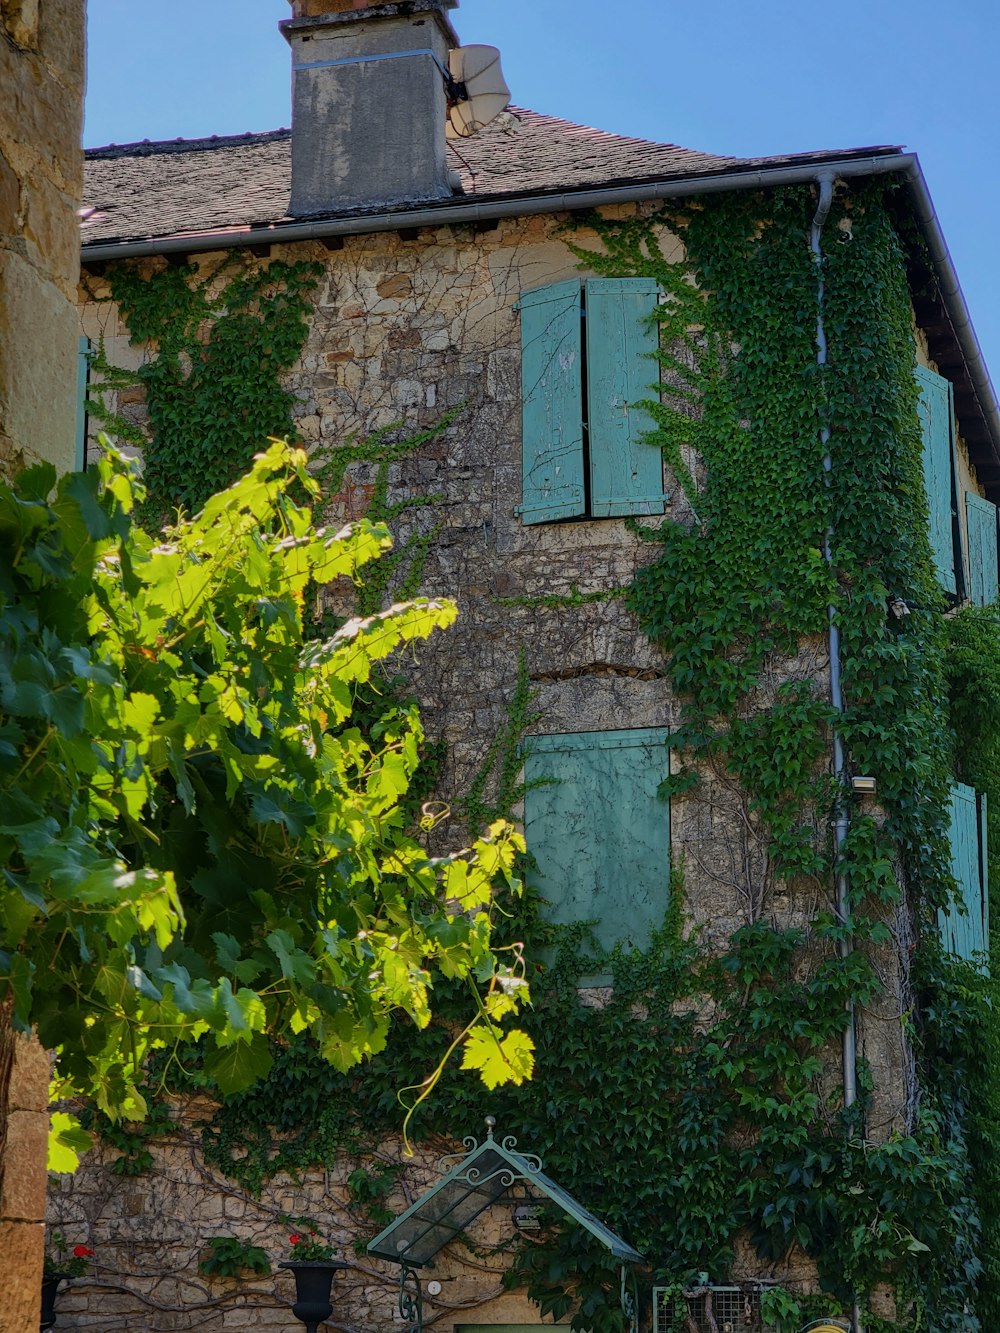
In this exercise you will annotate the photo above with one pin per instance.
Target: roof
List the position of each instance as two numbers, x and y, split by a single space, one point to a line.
191 195
141 191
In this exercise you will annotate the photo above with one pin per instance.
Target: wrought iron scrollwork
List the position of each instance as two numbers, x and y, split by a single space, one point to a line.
411 1298
630 1299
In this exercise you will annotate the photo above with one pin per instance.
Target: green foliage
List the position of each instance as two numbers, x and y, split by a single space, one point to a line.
972 664
198 843
215 348
132 1138
402 569
230 1257
502 764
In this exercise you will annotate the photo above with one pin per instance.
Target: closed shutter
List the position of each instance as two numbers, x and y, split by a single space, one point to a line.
598 831
626 474
966 934
981 516
935 420
84 353
552 404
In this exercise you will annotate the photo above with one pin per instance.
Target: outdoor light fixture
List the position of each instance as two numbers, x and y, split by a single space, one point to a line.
863 786
526 1217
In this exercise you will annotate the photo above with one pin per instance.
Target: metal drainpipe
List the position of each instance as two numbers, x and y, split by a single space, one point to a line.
825 181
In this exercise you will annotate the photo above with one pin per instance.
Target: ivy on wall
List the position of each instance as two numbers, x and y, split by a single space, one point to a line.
216 346
690 1111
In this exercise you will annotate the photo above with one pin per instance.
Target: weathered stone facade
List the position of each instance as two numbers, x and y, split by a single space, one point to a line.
407 326
41 73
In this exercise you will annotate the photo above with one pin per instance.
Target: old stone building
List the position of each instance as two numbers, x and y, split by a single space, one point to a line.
483 281
41 112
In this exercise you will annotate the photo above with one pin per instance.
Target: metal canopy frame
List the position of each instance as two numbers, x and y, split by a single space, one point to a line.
477 1179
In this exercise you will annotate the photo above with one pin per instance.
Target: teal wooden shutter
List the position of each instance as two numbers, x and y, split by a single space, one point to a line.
626 474
935 420
552 404
966 934
84 353
981 516
598 831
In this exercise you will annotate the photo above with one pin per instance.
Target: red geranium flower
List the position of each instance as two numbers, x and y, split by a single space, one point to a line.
294 1238
82 1252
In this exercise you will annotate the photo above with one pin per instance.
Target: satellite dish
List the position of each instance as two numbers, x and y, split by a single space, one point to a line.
477 92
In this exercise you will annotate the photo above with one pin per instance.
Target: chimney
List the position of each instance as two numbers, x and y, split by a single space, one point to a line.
368 103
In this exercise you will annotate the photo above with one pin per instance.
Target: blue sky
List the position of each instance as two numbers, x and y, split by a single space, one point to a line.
728 76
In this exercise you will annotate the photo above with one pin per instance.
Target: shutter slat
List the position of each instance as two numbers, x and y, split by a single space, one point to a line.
981 517
598 832
552 404
935 420
626 474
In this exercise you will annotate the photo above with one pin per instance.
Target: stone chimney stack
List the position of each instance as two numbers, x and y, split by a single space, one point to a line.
368 103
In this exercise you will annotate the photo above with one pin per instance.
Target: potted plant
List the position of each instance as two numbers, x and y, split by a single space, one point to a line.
313 1266
60 1262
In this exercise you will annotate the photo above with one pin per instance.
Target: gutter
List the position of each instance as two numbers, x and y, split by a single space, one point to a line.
468 211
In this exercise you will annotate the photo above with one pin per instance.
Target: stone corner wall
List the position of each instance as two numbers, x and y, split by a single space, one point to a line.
24 1124
41 113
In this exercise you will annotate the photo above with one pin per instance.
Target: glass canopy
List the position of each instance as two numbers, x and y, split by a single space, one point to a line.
479 1178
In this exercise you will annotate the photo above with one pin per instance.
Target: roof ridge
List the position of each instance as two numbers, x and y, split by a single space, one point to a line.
150 147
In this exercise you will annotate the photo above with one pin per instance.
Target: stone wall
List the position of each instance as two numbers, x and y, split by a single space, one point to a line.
41 113
407 326
24 1126
151 1232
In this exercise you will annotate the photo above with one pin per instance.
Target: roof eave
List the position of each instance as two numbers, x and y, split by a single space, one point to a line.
679 187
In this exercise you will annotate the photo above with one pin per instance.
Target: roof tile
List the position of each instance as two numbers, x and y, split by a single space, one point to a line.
147 190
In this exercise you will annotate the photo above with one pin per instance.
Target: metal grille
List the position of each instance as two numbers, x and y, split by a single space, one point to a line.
731 1310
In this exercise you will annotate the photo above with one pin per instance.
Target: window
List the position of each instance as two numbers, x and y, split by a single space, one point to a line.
586 358
598 831
981 518
936 419
967 934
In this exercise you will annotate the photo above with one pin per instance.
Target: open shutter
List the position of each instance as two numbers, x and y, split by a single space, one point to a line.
626 474
552 404
966 934
84 353
935 420
598 831
981 516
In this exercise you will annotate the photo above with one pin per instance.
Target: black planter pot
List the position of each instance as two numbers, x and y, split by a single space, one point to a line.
50 1285
313 1280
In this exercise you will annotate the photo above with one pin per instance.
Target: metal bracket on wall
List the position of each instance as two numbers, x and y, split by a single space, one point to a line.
630 1299
411 1298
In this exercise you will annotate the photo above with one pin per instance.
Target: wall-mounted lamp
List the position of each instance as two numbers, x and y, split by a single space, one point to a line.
863 786
526 1217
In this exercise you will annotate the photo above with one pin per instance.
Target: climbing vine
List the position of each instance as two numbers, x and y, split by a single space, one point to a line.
215 347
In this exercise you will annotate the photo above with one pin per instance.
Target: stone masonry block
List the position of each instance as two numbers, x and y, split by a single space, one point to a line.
51 230
29 1086
47 116
20 18
22 1246
62 40
37 393
25 1177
